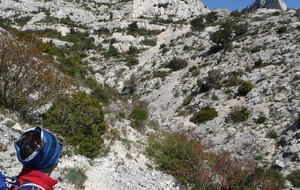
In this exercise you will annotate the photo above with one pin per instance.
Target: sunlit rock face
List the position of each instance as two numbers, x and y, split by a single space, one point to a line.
181 9
269 4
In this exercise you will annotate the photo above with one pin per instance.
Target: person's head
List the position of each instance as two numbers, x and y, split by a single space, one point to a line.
38 149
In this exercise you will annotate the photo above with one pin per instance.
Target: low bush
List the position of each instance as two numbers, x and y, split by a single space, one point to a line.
131 61
241 29
28 78
294 178
149 42
139 115
177 64
196 168
257 49
105 93
212 17
76 176
204 115
282 30
239 114
160 74
80 120
261 120
198 23
245 88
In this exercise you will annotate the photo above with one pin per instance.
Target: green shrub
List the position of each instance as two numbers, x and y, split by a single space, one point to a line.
195 167
212 17
105 93
198 23
149 42
272 135
160 74
294 178
80 120
261 120
241 29
239 114
10 124
131 61
257 49
177 64
76 176
282 30
245 88
222 37
205 114
138 114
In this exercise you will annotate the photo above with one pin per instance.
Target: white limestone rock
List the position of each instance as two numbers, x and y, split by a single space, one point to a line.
178 8
269 4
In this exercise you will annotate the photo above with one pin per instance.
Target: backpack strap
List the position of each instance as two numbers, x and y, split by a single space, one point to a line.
32 185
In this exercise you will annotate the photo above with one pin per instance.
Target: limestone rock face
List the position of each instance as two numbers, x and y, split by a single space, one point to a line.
269 4
181 9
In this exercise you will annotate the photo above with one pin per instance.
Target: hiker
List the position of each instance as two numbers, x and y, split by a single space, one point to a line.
38 150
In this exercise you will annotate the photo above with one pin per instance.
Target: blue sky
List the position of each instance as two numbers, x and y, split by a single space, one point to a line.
240 4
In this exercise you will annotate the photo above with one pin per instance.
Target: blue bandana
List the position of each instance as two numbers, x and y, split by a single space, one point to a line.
44 158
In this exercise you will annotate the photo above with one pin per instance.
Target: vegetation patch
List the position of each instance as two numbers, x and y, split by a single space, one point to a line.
177 64
194 167
244 88
294 178
27 73
239 114
76 176
80 120
204 115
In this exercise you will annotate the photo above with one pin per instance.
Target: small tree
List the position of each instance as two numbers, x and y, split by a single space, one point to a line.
28 79
80 120
198 23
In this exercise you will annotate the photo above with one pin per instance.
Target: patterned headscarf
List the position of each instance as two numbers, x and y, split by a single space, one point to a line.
44 158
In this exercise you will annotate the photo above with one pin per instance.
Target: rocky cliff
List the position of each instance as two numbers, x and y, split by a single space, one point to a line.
252 71
269 4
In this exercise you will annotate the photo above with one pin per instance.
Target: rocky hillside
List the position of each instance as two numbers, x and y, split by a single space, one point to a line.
175 60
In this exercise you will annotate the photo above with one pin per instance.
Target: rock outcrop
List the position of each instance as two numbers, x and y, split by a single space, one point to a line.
181 9
269 4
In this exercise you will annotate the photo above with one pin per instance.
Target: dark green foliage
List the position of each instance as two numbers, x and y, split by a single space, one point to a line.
80 120
232 81
213 80
160 74
223 36
294 178
257 49
241 29
131 61
76 176
73 66
261 120
297 14
239 114
177 64
139 114
105 93
132 51
149 42
198 23
212 17
133 27
245 88
194 167
282 30
204 115
272 135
